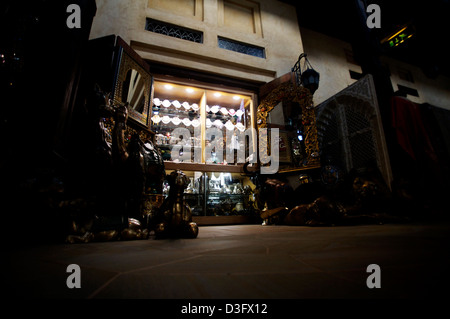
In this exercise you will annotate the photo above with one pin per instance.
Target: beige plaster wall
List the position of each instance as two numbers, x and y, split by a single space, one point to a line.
327 56
266 23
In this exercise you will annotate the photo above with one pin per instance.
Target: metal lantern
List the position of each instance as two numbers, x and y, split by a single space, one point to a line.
308 78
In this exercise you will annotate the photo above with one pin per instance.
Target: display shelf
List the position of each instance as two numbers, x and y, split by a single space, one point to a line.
176 105
213 194
230 168
170 146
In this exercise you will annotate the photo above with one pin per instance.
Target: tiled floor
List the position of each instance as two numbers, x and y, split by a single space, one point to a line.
243 261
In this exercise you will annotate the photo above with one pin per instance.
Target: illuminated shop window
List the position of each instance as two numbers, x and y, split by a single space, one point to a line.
197 125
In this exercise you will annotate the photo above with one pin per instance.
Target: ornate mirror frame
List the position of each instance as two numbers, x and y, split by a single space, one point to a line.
128 60
289 91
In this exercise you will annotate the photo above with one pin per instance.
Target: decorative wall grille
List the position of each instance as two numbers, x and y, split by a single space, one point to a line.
329 137
174 31
360 139
349 129
241 47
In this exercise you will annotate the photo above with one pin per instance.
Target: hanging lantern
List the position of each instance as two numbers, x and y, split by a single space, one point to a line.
308 77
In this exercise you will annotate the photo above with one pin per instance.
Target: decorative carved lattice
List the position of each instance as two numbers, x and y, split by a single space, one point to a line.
174 31
350 129
241 47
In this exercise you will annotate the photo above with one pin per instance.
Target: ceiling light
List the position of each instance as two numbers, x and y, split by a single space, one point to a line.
168 87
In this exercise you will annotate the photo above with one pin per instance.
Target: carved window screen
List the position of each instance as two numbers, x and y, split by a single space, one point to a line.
350 131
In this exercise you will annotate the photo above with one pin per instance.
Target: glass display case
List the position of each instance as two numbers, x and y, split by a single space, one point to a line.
207 132
219 194
173 107
202 125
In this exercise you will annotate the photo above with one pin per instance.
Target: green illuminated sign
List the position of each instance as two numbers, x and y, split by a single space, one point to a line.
399 37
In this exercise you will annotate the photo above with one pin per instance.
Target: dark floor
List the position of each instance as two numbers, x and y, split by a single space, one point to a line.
244 262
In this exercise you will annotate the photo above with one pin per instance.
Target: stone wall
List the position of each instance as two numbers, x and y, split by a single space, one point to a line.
267 24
